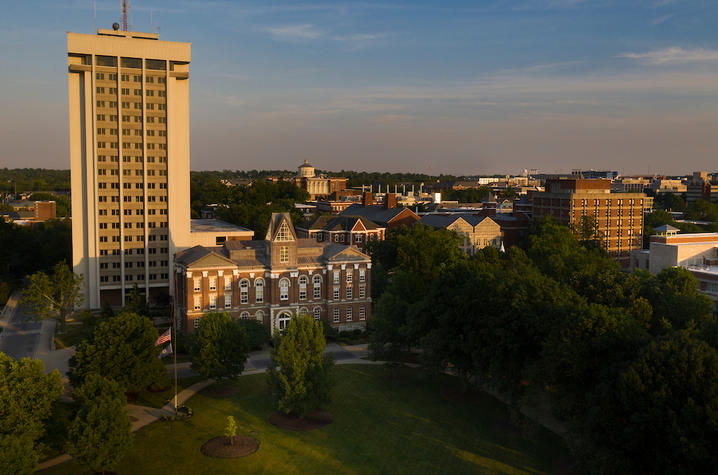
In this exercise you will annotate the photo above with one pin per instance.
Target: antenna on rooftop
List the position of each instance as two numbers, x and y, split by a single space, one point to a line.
125 6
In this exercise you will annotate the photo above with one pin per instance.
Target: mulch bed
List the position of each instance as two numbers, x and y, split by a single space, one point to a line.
313 420
218 447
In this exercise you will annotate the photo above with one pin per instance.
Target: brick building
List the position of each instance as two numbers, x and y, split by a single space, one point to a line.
274 279
701 186
476 232
354 230
619 216
386 215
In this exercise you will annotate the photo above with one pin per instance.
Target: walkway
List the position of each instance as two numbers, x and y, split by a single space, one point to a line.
256 363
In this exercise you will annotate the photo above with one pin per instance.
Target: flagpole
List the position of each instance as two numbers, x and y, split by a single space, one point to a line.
174 352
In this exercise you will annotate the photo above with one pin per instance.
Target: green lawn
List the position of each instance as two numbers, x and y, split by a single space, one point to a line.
72 336
159 399
386 421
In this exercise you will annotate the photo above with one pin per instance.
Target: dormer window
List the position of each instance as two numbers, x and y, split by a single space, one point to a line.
284 234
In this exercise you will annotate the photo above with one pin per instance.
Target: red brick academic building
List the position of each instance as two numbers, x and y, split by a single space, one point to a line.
274 279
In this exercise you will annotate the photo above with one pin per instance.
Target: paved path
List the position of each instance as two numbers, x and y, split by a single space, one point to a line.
20 336
143 415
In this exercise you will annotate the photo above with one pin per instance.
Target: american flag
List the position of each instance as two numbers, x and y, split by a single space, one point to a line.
165 337
167 350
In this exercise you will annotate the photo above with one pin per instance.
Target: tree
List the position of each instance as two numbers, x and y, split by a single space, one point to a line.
660 415
123 350
299 371
101 432
27 396
54 297
219 347
230 430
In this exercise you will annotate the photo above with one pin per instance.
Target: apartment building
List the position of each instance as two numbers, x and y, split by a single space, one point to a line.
129 151
274 279
619 216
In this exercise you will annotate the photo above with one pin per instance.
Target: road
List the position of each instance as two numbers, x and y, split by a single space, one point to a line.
20 338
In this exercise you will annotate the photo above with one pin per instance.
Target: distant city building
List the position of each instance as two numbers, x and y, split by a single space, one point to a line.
595 174
696 252
275 279
663 185
630 185
342 229
618 216
476 232
317 186
29 212
701 186
332 206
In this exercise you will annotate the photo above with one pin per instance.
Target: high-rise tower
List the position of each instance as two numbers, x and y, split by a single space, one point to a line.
129 153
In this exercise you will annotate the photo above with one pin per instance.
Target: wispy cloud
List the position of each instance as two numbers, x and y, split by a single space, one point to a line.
294 32
674 55
661 19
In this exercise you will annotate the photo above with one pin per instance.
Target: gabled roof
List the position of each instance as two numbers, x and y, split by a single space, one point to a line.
339 252
444 220
197 255
339 223
376 213
275 224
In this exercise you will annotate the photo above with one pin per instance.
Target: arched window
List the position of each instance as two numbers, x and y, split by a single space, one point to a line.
317 280
244 316
259 316
303 311
283 320
303 287
317 313
259 290
244 291
284 289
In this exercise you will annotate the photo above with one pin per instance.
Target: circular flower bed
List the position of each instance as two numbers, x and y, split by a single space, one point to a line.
222 448
313 420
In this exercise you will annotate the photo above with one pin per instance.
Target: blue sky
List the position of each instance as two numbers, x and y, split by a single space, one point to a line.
433 86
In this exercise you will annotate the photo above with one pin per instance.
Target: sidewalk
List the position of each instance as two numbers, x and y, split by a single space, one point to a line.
143 415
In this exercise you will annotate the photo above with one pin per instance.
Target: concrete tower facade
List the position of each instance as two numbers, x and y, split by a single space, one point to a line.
129 153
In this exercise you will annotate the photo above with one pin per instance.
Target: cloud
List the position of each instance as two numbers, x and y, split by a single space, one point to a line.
662 19
674 55
294 32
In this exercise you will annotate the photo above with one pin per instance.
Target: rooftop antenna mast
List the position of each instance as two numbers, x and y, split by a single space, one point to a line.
125 6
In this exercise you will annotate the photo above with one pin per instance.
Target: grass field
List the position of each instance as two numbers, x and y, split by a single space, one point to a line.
385 421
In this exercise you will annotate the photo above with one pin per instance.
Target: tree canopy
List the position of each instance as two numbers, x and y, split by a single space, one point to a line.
219 346
299 371
122 350
101 432
27 396
54 296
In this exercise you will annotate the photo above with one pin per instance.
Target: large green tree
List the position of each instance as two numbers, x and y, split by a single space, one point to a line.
123 350
26 398
299 371
219 346
54 296
101 432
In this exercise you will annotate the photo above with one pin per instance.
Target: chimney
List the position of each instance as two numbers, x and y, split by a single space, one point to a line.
390 201
367 199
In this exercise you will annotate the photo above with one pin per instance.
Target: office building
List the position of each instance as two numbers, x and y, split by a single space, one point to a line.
129 153
618 216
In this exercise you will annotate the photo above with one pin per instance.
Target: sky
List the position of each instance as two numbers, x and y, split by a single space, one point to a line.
476 87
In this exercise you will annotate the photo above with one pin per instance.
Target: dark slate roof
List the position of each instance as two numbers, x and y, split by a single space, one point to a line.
443 220
376 213
666 228
338 223
193 254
